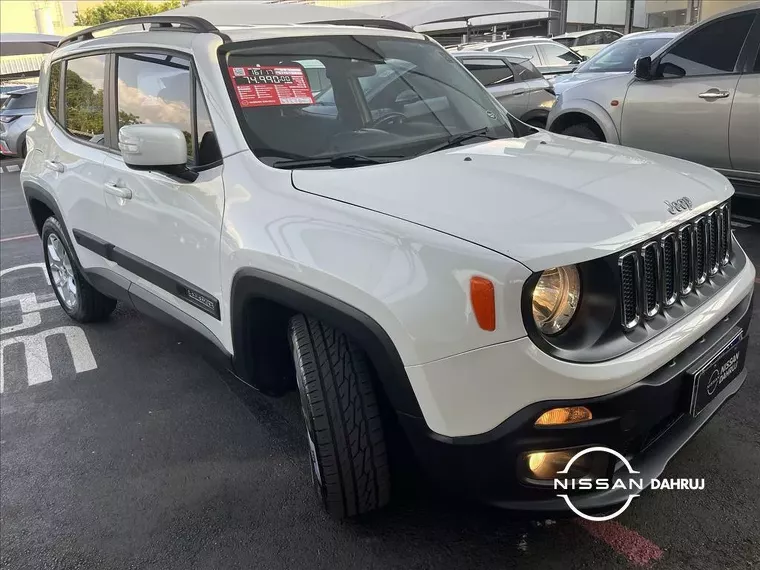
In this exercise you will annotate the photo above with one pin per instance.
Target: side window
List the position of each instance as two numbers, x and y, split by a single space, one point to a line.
83 97
528 52
757 62
155 88
590 39
54 89
557 55
490 71
710 50
610 37
526 71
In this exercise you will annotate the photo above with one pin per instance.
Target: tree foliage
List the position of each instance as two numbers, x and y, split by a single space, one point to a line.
112 10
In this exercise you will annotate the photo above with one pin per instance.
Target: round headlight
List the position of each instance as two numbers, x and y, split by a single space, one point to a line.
555 299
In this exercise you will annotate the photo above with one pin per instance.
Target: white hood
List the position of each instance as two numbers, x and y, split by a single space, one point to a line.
543 200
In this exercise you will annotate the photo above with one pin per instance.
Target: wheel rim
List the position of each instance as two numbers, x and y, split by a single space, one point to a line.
62 271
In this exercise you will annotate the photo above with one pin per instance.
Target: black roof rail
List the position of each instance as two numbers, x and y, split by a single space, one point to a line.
180 23
368 23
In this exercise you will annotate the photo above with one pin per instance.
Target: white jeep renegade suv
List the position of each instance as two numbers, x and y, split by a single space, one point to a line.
349 199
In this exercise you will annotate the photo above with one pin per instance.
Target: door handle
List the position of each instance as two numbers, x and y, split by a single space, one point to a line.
118 191
54 165
712 94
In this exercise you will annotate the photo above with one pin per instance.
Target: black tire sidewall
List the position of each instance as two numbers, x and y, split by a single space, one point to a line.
53 226
308 419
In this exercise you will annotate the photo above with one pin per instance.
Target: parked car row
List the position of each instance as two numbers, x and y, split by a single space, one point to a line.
693 95
16 116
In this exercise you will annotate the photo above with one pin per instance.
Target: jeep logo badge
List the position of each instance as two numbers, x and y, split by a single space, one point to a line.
678 205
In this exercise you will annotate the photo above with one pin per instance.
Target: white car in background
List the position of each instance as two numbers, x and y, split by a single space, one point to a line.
588 43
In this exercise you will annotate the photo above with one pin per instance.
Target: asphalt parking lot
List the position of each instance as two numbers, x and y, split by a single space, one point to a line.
121 448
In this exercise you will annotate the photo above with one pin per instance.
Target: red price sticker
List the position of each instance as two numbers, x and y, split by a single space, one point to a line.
271 85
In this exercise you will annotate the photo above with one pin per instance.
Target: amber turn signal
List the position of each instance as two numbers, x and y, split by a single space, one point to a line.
483 302
559 416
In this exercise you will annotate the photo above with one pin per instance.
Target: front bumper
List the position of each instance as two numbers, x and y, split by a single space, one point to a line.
648 422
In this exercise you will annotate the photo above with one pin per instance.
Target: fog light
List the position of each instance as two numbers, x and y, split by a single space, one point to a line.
543 465
559 416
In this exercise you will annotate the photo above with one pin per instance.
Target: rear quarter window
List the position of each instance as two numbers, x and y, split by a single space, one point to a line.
54 89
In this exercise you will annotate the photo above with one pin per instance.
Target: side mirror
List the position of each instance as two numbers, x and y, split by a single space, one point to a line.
642 68
155 147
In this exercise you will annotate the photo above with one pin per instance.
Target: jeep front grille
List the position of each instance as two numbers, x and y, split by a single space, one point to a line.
655 275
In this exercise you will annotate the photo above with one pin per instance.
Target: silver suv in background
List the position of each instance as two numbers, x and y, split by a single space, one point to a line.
16 116
514 82
695 98
617 58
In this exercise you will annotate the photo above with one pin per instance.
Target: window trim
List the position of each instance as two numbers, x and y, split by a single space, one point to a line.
61 119
741 61
499 60
195 84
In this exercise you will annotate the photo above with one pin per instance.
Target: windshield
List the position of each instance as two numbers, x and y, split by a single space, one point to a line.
377 98
26 101
620 55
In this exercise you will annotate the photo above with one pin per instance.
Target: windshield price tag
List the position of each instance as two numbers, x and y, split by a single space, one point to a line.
266 86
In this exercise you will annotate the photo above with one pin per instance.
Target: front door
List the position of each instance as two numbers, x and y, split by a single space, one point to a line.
685 110
166 230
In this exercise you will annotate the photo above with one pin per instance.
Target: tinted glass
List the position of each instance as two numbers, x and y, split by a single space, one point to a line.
418 97
155 88
83 96
26 101
489 71
621 55
589 40
526 70
529 52
55 88
712 49
568 42
757 62
555 55
609 37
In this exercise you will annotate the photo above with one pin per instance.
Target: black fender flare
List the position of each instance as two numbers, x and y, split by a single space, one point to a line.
33 191
250 284
535 114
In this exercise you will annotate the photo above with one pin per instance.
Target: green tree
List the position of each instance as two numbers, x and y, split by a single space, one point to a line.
120 9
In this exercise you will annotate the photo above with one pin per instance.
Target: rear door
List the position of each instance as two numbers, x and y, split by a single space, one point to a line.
499 78
167 230
685 110
75 150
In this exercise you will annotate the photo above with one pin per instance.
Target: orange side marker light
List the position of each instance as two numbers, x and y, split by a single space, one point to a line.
483 302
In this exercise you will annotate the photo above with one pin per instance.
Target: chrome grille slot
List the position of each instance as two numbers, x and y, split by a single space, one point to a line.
724 215
650 279
712 243
686 245
700 250
659 273
670 275
629 290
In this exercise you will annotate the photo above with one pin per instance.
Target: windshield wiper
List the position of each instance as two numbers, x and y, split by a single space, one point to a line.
461 138
339 161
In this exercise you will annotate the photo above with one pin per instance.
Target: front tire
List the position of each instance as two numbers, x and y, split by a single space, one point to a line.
344 429
77 297
582 131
